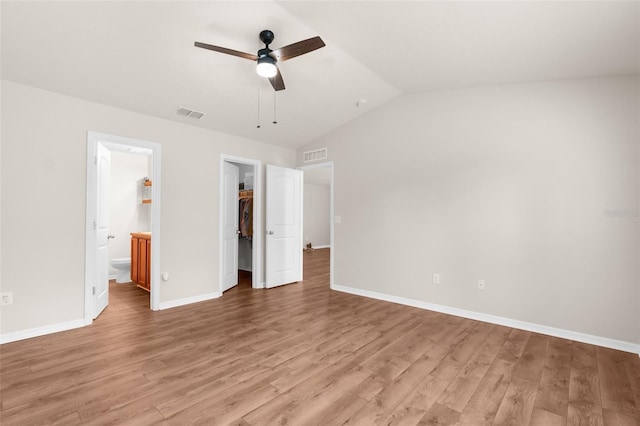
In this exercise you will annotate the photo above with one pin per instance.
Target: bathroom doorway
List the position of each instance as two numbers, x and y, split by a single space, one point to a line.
240 221
130 214
101 150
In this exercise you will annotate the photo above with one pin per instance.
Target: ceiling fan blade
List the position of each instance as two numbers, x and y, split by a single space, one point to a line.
296 49
227 51
277 82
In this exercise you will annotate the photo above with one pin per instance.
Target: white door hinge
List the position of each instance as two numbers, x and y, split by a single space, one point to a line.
95 159
94 291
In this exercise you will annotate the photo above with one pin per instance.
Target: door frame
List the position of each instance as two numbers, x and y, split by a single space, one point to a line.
326 164
257 249
113 142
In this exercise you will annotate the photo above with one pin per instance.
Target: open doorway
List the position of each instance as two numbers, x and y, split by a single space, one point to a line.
129 214
100 150
240 221
318 210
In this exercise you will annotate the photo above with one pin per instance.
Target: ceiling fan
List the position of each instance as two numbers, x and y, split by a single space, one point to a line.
267 59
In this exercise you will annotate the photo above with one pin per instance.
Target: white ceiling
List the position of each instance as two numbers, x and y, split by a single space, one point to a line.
139 55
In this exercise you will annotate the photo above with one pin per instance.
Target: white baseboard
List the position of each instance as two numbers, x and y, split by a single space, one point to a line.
321 247
70 325
41 331
188 300
508 322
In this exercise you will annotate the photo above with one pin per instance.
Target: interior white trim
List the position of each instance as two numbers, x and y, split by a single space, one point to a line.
493 319
256 252
331 212
188 300
41 331
120 143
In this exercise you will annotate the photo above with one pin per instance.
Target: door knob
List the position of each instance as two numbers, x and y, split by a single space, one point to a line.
270 232
110 237
237 232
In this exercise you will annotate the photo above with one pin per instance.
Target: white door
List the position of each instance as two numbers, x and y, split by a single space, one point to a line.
101 292
283 226
230 229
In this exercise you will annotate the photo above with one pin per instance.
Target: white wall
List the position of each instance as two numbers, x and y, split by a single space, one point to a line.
316 214
510 184
126 212
44 142
244 168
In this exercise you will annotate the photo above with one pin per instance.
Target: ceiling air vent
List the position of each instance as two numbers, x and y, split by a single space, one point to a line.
316 155
189 113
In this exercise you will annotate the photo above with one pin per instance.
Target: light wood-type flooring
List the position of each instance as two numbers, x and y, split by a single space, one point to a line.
304 355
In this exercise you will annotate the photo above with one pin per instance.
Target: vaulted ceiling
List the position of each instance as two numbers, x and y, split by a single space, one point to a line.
139 55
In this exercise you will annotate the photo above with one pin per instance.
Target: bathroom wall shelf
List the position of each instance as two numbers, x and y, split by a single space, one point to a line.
146 192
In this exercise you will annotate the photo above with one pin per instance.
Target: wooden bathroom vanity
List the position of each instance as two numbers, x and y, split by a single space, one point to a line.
141 259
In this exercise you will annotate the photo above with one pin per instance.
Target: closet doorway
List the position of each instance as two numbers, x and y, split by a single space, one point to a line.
240 221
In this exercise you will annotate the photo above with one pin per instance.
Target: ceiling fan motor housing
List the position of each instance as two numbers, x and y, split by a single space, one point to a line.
264 52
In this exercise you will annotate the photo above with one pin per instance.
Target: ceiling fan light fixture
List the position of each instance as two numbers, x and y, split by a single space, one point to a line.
266 67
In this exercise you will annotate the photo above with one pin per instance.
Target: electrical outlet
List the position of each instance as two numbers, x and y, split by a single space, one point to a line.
480 284
6 299
436 278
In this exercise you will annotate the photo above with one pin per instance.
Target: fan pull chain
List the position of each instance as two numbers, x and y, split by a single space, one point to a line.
274 108
258 126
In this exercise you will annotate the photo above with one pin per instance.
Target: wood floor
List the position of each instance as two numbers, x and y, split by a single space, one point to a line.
304 355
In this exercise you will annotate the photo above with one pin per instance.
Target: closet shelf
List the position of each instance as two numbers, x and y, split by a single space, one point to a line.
248 193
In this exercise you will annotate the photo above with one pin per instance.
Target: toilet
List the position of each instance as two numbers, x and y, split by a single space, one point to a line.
123 266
